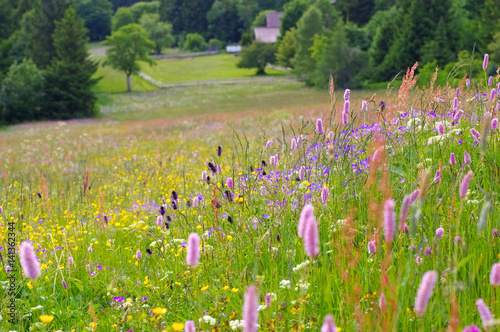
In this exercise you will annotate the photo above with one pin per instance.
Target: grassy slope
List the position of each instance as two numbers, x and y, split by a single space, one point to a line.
200 68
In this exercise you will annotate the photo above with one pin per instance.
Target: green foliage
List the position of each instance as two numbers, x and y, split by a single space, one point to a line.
357 11
189 16
292 12
335 57
38 26
286 49
223 22
216 43
309 25
68 79
97 17
494 48
260 19
195 43
21 93
128 46
158 32
122 17
257 55
246 38
356 36
140 8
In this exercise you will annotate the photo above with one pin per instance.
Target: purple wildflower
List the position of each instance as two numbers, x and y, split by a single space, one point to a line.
159 220
464 185
29 262
293 145
453 161
475 134
250 311
268 300
439 233
440 129
484 313
230 183
65 286
389 220
319 127
269 143
485 61
372 248
424 292
311 238
328 324
495 275
193 250
494 123
467 159
138 254
471 328
324 195
437 177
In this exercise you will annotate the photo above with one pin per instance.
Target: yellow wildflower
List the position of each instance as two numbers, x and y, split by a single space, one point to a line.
159 311
178 326
46 318
204 288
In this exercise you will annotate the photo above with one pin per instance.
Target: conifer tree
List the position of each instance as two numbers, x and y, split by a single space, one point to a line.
68 79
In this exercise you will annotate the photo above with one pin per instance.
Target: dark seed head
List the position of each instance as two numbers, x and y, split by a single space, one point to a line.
212 167
230 219
162 210
174 196
264 173
106 219
229 196
168 218
39 195
167 225
208 179
278 237
219 150
263 163
149 251
174 205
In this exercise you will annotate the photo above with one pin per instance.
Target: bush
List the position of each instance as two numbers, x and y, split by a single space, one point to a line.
195 43
22 92
257 55
246 38
216 43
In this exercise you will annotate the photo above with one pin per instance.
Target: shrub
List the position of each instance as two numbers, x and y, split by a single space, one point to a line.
257 55
21 93
195 43
216 43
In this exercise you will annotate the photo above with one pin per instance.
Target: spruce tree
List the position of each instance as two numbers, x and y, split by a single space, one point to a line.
309 25
38 28
68 79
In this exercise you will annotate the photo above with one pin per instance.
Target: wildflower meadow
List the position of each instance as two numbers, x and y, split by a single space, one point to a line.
373 214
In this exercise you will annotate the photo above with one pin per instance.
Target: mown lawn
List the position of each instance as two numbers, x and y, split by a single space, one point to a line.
201 68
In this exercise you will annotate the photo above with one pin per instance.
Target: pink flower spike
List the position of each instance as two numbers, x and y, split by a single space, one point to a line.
494 123
490 81
230 183
302 173
464 185
306 214
455 104
467 159
493 94
268 300
457 92
495 275
328 324
311 238
138 254
345 118
484 313
439 233
269 143
250 311
159 220
189 326
347 106
424 292
453 161
471 328
319 127
29 262
437 177
347 94
403 213
441 129
381 303
475 134
467 82
193 250
389 220
364 106
196 201
65 286
458 115
372 248
324 195
485 61
293 144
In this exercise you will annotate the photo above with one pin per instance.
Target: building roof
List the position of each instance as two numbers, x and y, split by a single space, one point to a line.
266 35
273 20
